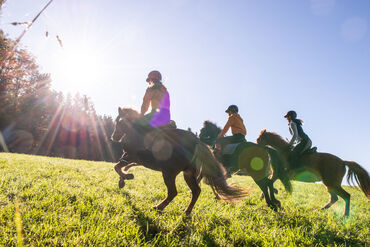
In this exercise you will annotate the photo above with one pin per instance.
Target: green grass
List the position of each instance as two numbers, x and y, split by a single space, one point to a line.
61 202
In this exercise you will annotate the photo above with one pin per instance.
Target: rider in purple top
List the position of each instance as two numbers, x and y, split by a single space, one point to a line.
158 97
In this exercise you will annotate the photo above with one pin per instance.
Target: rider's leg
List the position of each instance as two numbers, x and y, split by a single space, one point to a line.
221 143
296 152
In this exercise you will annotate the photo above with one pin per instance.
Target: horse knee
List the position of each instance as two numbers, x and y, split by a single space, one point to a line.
118 167
196 191
171 194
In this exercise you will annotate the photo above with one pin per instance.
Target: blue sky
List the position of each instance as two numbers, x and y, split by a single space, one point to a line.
267 57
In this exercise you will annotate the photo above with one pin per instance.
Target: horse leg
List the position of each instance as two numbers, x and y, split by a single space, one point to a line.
191 180
333 199
273 179
169 180
118 168
346 197
199 175
263 186
272 193
126 168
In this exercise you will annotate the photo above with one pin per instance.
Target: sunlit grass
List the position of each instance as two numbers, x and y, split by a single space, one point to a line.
73 203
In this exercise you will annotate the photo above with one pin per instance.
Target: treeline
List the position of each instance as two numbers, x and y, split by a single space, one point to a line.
36 119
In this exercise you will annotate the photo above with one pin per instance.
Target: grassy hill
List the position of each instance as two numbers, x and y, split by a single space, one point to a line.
53 201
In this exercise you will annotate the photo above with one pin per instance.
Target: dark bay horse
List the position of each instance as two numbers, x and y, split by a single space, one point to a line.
323 167
170 151
259 161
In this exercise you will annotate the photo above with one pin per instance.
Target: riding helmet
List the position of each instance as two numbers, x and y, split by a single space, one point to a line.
155 76
291 114
232 109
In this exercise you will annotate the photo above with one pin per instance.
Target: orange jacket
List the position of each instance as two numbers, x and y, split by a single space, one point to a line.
235 122
153 96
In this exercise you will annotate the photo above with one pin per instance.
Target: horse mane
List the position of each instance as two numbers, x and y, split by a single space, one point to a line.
130 114
211 127
275 139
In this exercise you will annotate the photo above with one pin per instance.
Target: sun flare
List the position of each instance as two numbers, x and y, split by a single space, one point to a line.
78 69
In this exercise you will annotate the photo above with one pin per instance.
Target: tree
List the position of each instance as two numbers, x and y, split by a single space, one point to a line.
36 119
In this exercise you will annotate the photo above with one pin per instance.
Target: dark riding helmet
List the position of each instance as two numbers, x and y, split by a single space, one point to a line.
155 76
291 114
232 109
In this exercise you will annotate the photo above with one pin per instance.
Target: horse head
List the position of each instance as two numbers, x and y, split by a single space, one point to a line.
209 132
262 138
123 123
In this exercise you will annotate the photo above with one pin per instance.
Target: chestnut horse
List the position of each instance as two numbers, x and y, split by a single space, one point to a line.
323 167
259 161
170 151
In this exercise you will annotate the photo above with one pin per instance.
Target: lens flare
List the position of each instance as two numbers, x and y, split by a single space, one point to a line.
257 163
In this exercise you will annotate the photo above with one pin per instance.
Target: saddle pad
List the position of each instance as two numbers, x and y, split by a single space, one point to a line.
230 148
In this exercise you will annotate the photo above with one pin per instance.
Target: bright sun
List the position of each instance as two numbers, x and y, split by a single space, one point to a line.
77 70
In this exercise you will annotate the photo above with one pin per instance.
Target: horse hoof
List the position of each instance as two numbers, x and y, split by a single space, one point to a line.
129 176
273 207
187 213
156 208
121 183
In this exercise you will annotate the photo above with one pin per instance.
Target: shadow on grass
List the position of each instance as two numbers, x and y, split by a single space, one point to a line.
324 236
147 225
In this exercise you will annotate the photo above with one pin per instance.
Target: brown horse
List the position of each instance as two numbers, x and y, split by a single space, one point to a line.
259 162
170 151
322 167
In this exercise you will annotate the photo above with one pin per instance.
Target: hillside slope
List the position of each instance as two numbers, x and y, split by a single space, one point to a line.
54 201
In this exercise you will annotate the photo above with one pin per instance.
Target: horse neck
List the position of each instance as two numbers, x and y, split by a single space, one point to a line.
278 143
135 136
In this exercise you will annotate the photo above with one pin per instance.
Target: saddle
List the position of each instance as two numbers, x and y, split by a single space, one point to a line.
229 149
295 161
170 125
228 158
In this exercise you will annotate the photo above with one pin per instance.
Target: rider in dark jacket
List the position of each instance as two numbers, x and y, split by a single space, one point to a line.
299 141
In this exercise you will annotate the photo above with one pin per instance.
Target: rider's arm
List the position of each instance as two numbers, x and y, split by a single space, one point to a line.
294 131
226 128
146 102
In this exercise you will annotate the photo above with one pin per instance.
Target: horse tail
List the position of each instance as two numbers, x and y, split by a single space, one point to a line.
215 174
360 175
278 166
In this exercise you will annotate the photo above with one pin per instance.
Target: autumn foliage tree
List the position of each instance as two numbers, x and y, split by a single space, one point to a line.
36 119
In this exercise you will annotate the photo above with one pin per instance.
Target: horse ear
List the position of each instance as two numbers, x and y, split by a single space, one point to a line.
119 111
262 131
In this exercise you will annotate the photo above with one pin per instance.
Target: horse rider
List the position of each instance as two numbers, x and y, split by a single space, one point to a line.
235 122
156 96
300 141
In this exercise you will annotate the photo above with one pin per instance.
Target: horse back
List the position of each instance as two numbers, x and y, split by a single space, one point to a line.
326 165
